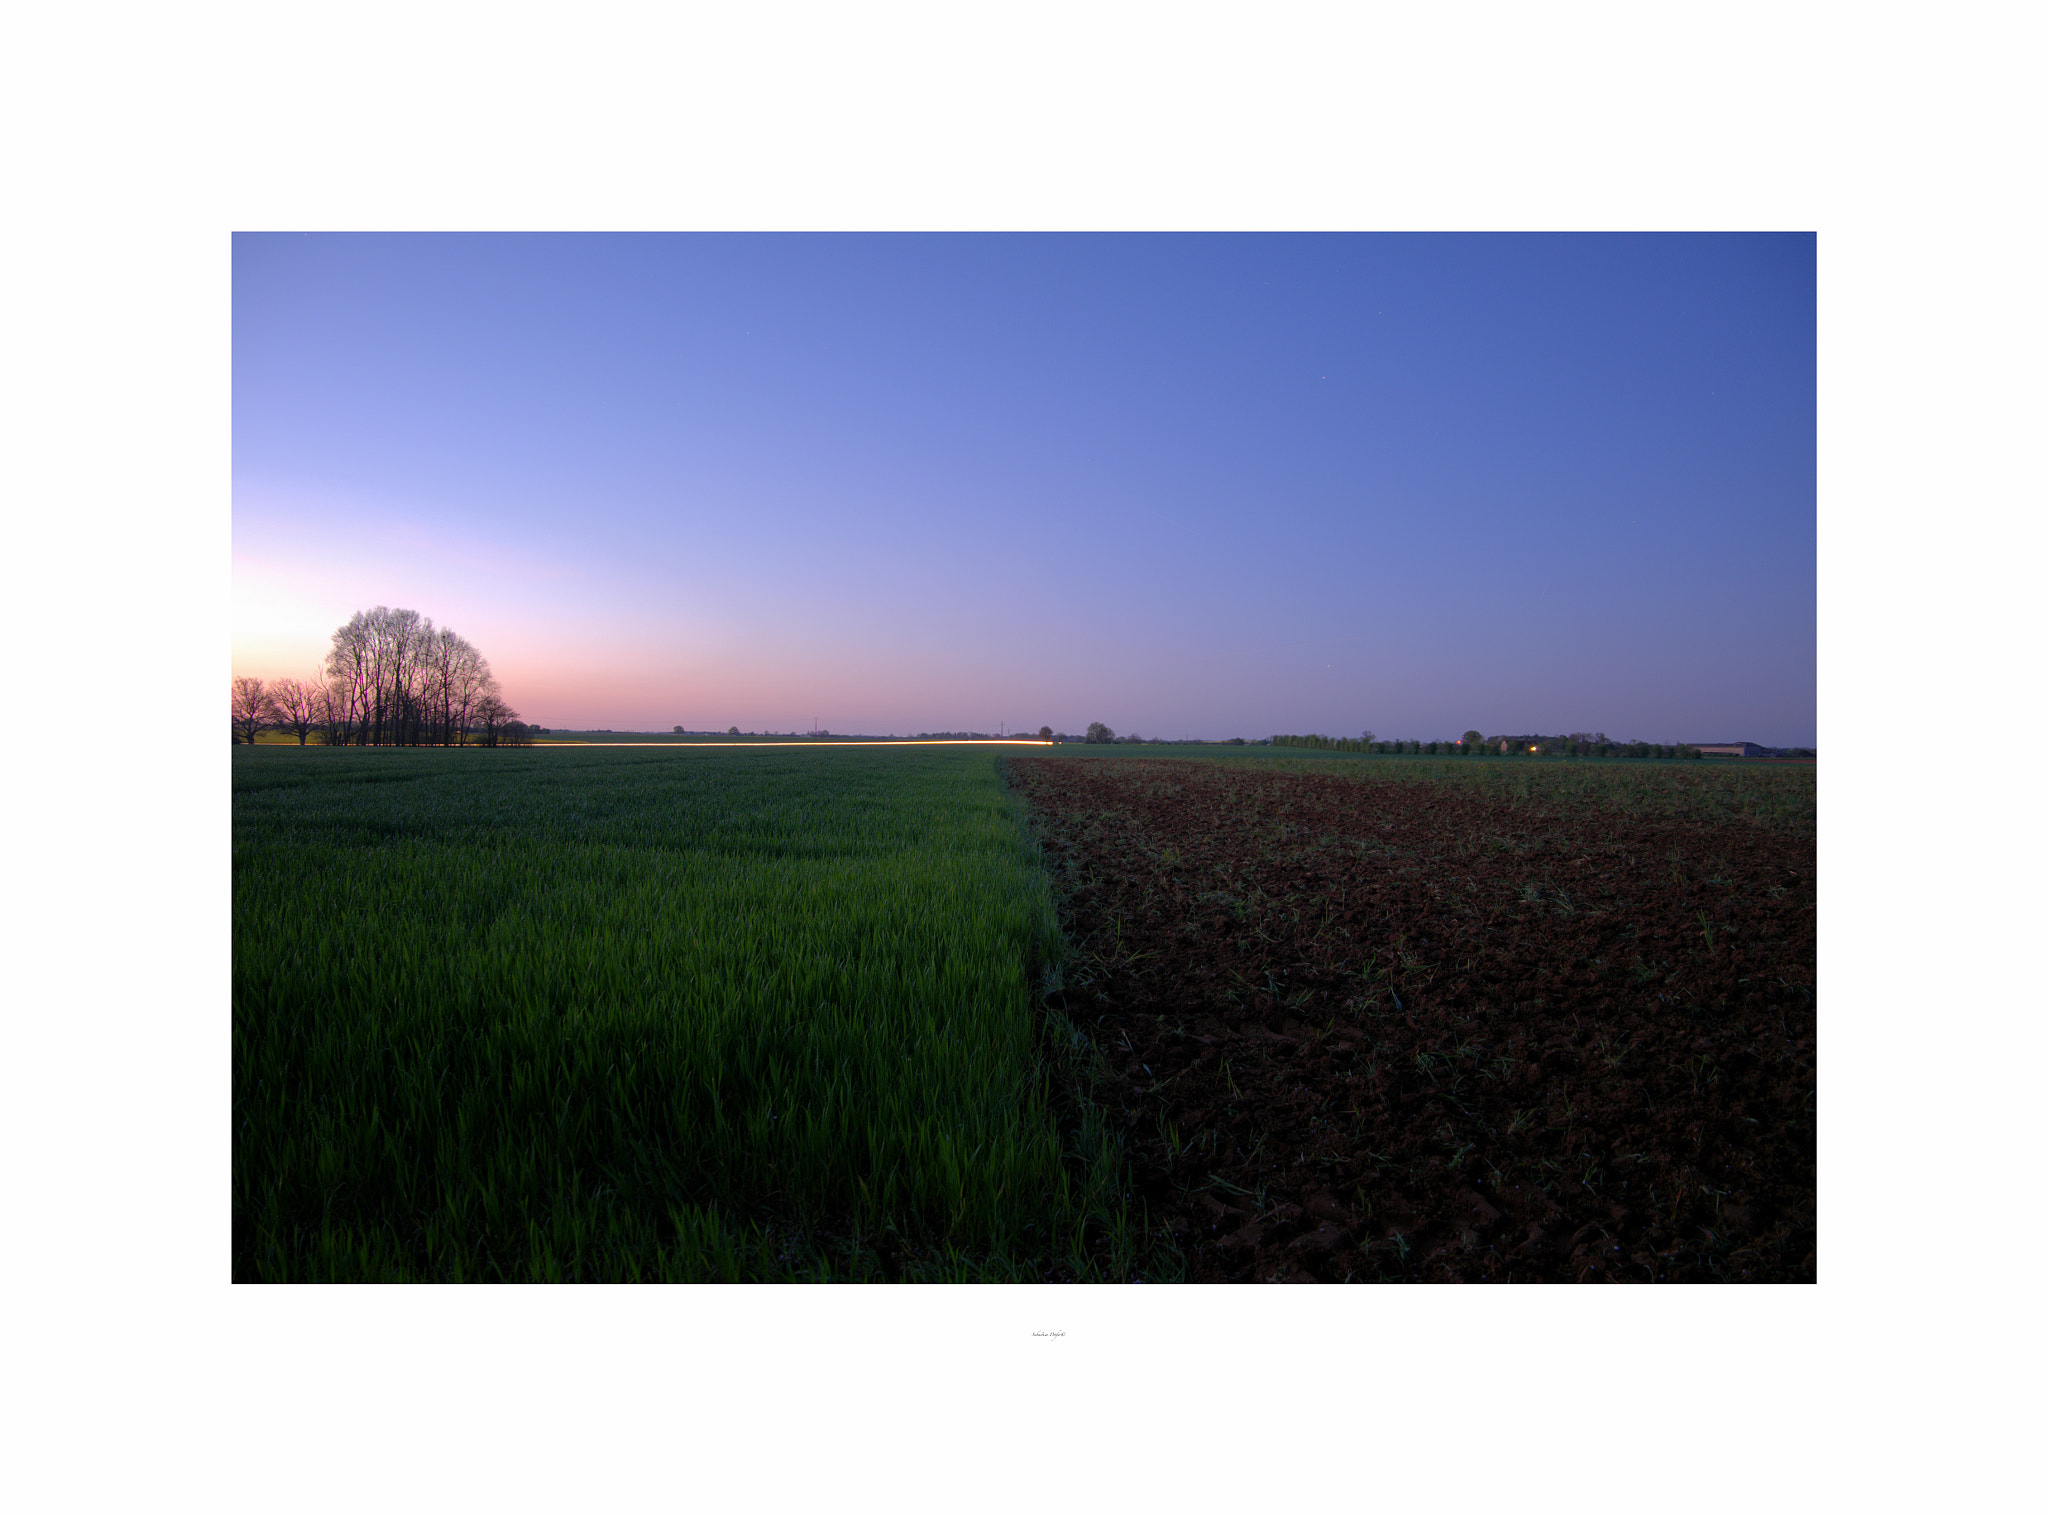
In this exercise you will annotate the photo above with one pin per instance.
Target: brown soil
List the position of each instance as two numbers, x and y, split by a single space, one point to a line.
1388 1030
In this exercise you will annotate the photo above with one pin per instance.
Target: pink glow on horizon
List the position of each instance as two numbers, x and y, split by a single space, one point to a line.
581 677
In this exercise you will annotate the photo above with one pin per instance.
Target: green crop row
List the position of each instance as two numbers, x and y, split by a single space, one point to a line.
650 1014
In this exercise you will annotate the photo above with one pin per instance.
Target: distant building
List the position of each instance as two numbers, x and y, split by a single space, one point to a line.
1728 749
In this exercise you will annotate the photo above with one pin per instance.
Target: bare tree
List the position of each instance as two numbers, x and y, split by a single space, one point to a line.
249 706
492 713
1045 733
1097 732
468 680
295 707
376 716
450 667
406 635
351 674
331 702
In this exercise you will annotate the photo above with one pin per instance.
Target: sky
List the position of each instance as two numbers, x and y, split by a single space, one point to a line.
1199 485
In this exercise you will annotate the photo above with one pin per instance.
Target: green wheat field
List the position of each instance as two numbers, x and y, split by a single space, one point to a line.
616 1014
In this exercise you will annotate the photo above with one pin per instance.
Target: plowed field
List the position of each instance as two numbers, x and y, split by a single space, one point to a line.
1362 1028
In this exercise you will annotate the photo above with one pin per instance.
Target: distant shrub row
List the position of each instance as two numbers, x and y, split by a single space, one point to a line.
1493 746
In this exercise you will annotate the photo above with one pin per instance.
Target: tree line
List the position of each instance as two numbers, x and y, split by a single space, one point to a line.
1472 744
392 678
1097 733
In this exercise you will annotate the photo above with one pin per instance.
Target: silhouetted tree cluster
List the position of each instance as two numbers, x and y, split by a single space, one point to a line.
395 678
392 678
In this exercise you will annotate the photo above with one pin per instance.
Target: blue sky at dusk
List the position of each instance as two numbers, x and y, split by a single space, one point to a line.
1187 485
